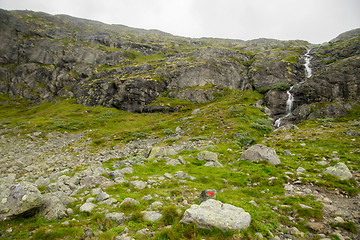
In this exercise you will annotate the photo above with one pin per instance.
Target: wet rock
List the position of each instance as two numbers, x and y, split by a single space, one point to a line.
260 153
340 170
19 199
213 213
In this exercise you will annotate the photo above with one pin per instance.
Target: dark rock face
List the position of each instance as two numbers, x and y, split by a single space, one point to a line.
45 57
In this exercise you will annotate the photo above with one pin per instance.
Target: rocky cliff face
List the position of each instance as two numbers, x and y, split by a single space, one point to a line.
45 57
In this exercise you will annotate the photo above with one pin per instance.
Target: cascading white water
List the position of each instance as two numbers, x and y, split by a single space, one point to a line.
290 100
308 72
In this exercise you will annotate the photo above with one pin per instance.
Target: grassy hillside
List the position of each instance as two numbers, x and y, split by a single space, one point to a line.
232 122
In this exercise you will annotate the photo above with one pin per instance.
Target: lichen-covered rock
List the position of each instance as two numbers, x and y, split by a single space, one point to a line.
19 199
260 153
207 156
52 208
215 214
340 170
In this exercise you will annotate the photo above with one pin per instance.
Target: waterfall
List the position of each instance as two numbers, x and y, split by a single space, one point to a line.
290 100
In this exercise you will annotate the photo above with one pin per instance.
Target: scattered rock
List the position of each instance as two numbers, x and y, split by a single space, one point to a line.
213 213
181 174
147 197
196 111
19 199
156 205
168 176
127 170
40 182
315 226
172 162
259 153
129 201
52 208
207 156
117 217
102 196
340 170
287 153
87 207
152 216
138 184
213 164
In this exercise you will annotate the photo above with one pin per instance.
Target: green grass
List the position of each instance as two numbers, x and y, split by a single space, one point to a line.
232 120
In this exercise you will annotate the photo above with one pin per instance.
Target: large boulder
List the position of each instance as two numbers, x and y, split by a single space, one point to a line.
52 208
215 214
260 153
340 170
19 199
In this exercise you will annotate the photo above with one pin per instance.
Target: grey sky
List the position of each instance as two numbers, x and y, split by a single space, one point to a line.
316 21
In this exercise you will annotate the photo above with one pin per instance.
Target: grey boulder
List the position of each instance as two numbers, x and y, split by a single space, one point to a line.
261 153
207 156
52 207
215 214
19 199
340 170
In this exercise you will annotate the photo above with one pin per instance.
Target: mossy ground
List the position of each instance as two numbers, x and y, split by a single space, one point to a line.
233 122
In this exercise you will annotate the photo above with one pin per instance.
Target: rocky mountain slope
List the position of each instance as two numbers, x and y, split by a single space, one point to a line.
44 57
111 132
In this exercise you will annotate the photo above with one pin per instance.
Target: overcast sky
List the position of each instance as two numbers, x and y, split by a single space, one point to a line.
316 21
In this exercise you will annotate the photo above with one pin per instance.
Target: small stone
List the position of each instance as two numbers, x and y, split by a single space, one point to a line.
138 184
117 217
213 164
129 201
287 153
156 205
90 199
259 236
300 170
87 207
254 203
69 211
147 198
102 196
339 220
152 216
316 226
196 111
168 176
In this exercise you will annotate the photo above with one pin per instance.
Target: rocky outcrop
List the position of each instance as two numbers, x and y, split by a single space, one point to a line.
19 200
215 214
